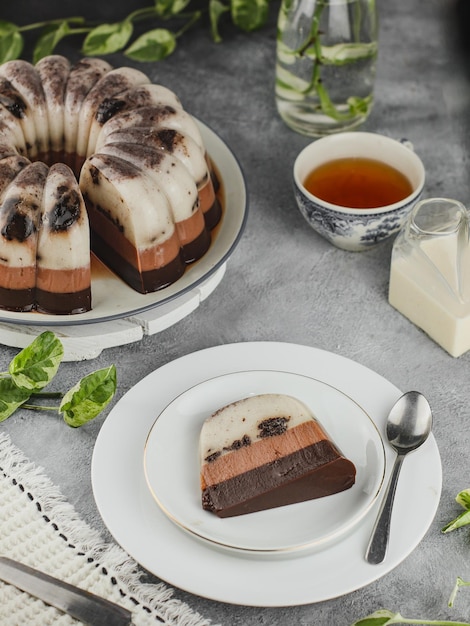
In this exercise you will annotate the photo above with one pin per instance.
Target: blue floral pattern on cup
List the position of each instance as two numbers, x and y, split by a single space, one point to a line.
352 231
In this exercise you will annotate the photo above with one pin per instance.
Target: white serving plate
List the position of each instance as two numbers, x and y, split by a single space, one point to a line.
139 525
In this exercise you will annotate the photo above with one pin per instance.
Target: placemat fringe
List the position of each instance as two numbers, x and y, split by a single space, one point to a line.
42 529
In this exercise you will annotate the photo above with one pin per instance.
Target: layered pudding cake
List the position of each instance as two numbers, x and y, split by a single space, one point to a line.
267 451
93 157
46 239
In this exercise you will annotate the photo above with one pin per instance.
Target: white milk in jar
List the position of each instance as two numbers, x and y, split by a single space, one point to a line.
430 273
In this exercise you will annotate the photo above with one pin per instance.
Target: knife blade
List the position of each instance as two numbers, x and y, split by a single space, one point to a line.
80 604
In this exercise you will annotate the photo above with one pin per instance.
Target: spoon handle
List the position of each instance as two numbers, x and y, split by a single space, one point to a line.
378 543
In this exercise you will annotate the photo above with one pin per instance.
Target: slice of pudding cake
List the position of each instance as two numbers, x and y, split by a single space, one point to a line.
267 451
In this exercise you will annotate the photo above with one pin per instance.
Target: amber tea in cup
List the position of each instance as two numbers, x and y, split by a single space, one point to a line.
371 183
358 183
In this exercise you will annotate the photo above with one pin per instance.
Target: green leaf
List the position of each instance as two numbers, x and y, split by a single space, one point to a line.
11 41
461 520
216 10
344 53
152 46
11 397
89 397
7 27
51 37
37 364
170 8
378 618
178 6
458 583
463 498
383 617
359 106
249 14
108 38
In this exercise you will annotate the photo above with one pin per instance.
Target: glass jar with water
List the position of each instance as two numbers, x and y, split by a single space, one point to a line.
326 62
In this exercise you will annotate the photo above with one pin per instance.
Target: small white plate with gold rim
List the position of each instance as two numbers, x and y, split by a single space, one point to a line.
172 450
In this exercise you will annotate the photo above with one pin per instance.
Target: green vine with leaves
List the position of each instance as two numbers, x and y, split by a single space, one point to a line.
21 386
154 44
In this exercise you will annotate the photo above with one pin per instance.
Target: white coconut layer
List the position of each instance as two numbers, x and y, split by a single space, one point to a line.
153 117
27 82
109 86
242 418
65 248
81 79
54 71
169 174
131 199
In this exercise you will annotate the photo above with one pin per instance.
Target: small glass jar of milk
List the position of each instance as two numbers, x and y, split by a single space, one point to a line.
430 272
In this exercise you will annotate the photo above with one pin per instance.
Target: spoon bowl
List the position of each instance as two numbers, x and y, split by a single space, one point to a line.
408 426
409 422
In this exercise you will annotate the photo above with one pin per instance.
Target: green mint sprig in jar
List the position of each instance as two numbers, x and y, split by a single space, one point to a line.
326 64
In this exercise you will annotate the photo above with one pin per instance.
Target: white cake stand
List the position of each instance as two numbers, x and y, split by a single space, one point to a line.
87 341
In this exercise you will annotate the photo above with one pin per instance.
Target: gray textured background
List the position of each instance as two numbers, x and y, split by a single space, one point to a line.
285 283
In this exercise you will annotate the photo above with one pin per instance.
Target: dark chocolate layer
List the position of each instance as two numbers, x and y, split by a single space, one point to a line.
312 472
21 300
145 282
196 249
26 300
213 215
63 303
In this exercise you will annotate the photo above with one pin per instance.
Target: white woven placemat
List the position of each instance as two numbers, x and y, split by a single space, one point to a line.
40 528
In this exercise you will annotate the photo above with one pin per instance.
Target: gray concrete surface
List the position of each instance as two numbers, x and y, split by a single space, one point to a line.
285 283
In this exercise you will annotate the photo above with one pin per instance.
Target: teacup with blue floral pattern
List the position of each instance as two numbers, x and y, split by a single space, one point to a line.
351 228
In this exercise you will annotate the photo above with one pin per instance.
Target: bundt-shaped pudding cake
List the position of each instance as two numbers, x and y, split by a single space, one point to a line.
100 158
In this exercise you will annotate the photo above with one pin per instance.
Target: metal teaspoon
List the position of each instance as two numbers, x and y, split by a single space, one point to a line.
408 426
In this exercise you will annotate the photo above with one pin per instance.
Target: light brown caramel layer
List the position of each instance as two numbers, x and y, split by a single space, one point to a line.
261 452
63 281
206 196
17 277
144 260
188 230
